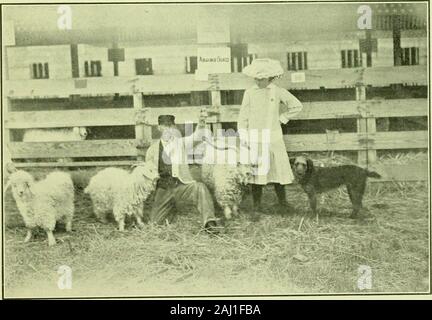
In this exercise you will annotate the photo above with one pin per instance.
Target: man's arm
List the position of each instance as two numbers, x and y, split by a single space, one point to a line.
201 132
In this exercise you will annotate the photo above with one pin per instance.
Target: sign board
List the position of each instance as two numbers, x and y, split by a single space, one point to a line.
213 60
298 77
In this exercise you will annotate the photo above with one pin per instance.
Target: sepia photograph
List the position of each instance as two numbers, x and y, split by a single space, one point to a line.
215 150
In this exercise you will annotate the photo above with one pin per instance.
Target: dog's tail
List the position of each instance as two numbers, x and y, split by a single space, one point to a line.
373 174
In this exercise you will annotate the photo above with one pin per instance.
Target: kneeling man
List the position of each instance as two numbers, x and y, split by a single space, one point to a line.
169 156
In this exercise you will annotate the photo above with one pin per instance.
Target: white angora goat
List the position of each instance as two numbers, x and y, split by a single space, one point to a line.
122 193
226 179
43 203
55 134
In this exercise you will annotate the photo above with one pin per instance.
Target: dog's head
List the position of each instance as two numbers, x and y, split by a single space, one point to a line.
301 166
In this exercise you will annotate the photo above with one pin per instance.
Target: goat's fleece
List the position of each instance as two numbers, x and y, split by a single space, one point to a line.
225 181
119 191
55 134
223 175
48 201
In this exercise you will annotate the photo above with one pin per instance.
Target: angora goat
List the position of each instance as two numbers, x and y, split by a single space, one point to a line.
55 134
122 193
226 179
43 203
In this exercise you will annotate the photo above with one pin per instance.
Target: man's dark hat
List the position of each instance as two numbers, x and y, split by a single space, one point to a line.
166 119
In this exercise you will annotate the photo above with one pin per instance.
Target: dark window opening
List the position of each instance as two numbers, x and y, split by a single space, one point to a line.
410 56
351 58
297 61
40 71
93 68
240 57
191 64
143 66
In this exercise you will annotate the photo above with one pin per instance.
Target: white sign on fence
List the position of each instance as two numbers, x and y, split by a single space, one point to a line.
213 60
298 77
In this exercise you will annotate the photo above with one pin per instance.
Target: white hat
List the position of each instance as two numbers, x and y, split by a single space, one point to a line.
263 68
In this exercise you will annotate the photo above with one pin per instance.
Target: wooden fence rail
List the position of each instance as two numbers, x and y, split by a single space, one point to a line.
171 84
229 113
365 141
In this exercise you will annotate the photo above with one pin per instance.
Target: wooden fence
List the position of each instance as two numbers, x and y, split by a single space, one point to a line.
366 141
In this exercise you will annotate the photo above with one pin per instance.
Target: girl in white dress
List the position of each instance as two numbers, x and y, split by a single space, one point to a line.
265 106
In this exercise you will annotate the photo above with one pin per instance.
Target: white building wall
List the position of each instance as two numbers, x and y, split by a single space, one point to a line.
421 43
94 53
165 59
20 60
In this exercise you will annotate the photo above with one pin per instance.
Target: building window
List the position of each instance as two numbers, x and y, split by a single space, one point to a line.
239 62
410 56
351 58
143 66
40 71
191 64
297 61
93 69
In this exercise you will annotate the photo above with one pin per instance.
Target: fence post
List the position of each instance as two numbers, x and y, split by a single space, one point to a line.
7 156
361 125
143 133
366 125
216 102
371 130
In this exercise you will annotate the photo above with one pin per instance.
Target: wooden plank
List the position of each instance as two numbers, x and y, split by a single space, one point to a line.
120 147
395 108
158 84
294 143
315 79
70 118
73 149
399 140
75 164
319 142
229 113
384 76
63 88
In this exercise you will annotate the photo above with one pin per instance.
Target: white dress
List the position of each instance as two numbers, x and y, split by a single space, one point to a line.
259 124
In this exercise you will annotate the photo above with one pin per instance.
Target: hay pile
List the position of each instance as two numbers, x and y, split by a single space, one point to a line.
268 257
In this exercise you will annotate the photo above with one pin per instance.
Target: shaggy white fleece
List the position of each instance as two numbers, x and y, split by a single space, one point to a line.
122 193
55 134
227 181
43 203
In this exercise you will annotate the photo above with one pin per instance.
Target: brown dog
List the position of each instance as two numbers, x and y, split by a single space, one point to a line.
315 180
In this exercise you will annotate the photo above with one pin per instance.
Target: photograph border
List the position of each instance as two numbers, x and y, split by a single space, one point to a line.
365 295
